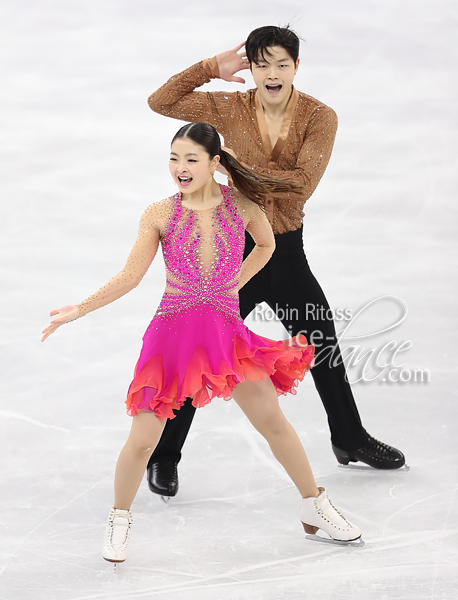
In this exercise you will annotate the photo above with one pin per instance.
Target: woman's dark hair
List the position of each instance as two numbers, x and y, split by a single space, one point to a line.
260 40
249 183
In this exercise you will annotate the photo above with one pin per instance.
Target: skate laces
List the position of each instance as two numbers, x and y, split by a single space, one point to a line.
120 525
376 448
324 511
339 513
166 469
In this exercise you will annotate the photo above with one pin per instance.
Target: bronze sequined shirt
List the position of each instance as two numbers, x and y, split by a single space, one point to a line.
302 150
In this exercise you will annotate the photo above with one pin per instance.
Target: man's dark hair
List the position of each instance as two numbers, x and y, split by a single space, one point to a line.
260 40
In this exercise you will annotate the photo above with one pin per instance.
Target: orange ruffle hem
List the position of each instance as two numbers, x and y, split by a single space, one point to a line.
253 359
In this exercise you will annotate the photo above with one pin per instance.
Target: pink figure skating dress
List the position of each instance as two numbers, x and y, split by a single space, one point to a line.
197 344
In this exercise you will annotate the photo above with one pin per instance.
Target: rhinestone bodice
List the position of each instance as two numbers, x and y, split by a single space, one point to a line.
203 252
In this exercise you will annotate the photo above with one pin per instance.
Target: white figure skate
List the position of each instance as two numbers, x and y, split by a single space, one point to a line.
117 535
319 513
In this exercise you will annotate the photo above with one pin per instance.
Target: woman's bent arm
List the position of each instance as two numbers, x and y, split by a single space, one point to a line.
260 230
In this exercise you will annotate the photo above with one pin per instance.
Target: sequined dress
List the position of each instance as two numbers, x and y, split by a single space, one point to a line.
197 344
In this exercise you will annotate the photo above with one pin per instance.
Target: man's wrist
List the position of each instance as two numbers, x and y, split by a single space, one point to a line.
211 68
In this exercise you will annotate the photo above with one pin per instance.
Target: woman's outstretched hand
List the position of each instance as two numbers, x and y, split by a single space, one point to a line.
64 315
231 62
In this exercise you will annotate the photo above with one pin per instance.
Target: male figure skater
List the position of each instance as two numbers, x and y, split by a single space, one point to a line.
277 131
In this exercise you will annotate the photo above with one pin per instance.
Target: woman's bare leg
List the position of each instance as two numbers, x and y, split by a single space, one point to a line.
259 401
145 432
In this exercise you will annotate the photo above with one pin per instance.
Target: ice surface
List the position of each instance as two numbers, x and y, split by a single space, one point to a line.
81 157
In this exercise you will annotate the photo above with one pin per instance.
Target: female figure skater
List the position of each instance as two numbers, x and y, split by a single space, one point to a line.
197 344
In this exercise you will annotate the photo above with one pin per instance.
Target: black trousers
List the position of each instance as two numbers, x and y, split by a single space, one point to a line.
287 285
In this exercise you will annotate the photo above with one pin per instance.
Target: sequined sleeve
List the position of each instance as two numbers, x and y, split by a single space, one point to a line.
313 157
259 228
177 98
138 262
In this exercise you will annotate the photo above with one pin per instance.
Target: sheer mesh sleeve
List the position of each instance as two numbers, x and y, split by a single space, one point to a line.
258 226
138 262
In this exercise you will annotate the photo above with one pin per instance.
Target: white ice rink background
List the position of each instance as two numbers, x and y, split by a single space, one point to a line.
81 157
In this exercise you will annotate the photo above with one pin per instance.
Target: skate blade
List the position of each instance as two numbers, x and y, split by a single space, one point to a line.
113 560
165 499
369 468
354 543
115 564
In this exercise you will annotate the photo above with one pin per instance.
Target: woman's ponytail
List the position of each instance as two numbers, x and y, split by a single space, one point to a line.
248 182
254 186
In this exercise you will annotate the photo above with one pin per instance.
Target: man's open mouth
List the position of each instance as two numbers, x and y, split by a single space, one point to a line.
274 89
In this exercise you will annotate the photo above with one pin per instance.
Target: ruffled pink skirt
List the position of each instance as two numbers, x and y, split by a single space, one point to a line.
203 353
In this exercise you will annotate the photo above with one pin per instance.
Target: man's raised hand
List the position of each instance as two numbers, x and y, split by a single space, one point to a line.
231 62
